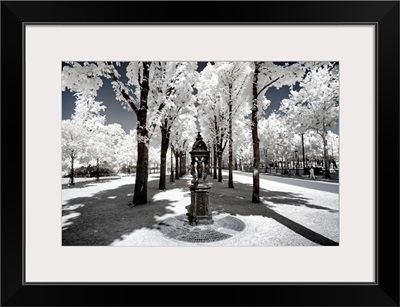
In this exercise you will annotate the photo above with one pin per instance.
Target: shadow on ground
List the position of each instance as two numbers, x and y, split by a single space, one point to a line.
225 201
105 217
88 183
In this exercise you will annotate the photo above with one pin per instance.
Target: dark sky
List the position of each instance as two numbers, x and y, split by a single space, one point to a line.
115 113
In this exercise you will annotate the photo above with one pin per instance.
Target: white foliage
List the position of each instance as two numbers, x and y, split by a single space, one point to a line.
171 90
86 138
88 77
222 87
316 105
81 78
154 156
181 138
73 142
87 110
127 150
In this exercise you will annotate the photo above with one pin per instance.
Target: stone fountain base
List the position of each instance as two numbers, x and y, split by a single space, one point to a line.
199 208
222 228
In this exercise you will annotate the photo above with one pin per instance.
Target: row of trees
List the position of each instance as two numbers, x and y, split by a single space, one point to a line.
86 139
282 147
156 92
228 105
87 142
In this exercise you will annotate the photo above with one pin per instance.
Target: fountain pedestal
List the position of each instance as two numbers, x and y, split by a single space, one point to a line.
199 210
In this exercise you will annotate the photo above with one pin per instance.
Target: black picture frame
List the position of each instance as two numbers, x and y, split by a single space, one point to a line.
383 14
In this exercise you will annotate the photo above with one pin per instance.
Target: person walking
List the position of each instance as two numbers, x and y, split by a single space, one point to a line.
312 173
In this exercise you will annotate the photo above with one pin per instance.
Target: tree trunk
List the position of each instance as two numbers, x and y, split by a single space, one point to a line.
182 163
142 174
215 162
172 178
142 171
185 168
71 180
163 157
177 165
230 159
326 158
210 163
219 162
304 157
266 159
236 164
254 134
97 170
210 159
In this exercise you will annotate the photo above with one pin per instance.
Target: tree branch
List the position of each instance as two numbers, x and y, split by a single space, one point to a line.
124 94
272 82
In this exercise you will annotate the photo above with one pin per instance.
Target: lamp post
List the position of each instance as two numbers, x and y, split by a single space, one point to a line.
297 162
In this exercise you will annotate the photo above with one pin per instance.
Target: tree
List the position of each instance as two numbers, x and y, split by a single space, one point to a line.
213 115
280 138
333 144
182 140
265 75
172 92
116 137
126 156
102 140
103 144
89 77
313 147
233 83
98 147
73 144
316 105
267 136
244 154
76 132
154 158
207 115
242 133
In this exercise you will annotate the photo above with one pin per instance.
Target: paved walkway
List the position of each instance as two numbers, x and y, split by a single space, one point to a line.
305 177
305 182
98 213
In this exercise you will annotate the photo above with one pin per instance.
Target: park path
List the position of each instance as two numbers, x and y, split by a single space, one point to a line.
98 213
332 187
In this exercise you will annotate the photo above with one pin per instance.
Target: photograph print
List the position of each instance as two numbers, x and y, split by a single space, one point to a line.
200 154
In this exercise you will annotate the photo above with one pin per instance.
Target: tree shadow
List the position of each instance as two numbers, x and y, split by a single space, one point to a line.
291 199
107 216
85 184
226 202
